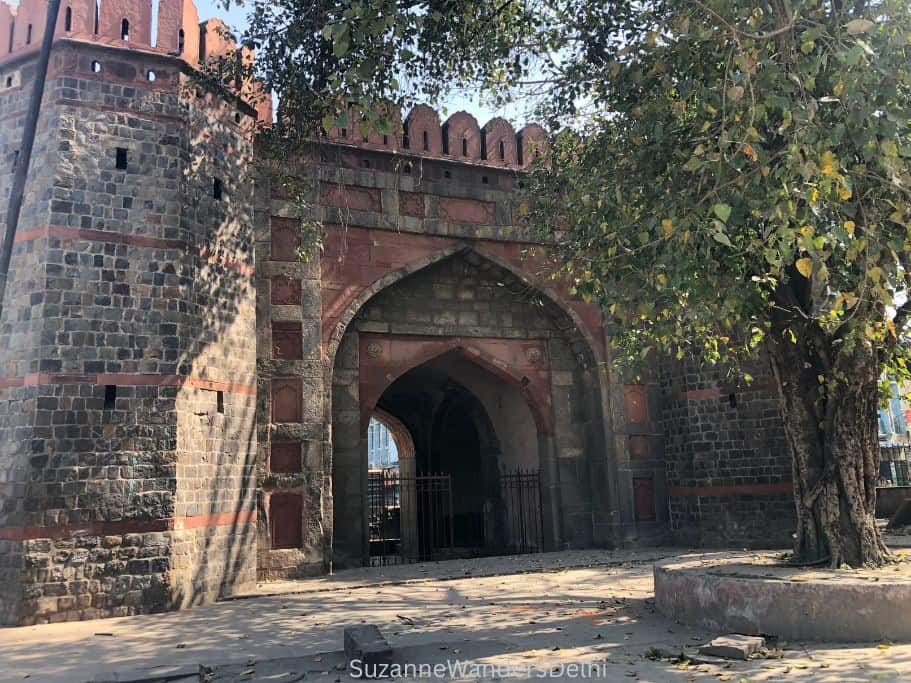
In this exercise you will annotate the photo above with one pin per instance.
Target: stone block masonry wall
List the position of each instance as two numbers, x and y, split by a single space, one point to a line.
133 470
214 548
21 326
729 468
639 442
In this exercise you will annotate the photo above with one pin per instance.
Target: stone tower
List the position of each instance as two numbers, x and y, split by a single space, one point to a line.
128 363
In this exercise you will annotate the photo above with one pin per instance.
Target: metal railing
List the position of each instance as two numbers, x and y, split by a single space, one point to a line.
521 493
410 516
894 464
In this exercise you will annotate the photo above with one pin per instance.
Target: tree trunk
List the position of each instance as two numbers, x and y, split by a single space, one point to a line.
831 427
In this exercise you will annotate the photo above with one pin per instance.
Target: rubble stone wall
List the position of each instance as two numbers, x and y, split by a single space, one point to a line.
728 464
136 362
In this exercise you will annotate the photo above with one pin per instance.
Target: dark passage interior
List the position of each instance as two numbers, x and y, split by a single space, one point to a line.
457 479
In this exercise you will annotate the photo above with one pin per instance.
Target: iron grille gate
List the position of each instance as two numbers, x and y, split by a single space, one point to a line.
521 494
410 516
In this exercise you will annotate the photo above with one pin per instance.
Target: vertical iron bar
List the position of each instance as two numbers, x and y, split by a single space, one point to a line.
522 503
451 520
28 142
540 513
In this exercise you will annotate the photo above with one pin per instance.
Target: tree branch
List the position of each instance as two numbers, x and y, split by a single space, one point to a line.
746 34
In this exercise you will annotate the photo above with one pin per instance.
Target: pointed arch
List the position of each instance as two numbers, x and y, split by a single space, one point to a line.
353 307
404 442
537 403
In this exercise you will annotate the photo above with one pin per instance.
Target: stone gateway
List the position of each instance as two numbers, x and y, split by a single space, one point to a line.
184 402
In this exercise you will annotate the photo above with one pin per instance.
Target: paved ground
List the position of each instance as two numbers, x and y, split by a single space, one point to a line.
571 608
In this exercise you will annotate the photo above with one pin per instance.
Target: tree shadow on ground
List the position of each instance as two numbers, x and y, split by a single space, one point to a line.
579 615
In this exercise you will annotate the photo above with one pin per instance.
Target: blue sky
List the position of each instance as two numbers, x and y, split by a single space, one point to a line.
235 17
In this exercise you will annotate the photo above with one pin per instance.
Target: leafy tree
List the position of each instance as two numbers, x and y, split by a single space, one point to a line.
731 178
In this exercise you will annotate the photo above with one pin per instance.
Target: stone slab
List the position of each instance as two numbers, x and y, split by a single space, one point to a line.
366 644
732 647
889 499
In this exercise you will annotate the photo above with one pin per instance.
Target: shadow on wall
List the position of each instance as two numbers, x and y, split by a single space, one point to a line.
216 444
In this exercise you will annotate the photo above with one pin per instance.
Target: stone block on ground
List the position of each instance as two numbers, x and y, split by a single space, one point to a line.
366 644
732 646
902 516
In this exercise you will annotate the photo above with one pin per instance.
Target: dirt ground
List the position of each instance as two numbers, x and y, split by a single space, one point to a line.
523 617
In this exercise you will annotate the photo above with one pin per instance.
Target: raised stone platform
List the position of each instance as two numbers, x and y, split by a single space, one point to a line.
752 593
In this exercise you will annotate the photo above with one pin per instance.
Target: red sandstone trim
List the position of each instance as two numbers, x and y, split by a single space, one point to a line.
67 233
216 260
59 531
217 519
725 491
130 379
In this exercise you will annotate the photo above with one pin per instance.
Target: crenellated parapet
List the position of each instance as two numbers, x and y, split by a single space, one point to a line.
459 138
175 31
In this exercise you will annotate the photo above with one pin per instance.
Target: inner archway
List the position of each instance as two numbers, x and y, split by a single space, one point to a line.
472 430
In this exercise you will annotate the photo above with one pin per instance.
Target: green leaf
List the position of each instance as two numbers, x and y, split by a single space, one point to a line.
723 211
722 238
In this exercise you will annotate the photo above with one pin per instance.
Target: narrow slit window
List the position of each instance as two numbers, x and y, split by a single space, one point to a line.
425 142
97 16
180 41
220 402
28 35
68 20
124 30
9 81
216 188
12 30
15 160
110 396
385 139
464 147
121 158
502 151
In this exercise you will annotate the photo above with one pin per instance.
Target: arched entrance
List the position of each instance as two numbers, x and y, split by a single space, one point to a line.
476 482
498 393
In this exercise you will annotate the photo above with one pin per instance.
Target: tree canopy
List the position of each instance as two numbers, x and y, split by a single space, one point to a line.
725 176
